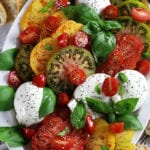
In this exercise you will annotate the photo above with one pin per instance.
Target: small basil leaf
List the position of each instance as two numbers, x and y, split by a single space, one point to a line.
6 98
111 117
12 136
98 105
103 147
123 78
47 7
78 116
64 132
131 122
7 59
48 102
121 89
103 44
146 55
98 89
125 106
48 47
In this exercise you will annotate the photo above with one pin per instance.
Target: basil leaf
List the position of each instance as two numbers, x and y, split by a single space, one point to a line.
103 147
6 98
7 59
122 77
103 44
131 122
98 89
78 116
47 7
12 136
48 102
121 89
125 106
98 105
111 117
48 47
146 55
64 132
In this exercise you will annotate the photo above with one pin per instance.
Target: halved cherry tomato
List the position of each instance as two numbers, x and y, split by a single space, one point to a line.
81 39
51 24
61 3
143 66
39 80
110 86
30 35
140 14
63 98
110 12
13 79
116 127
63 40
28 132
90 126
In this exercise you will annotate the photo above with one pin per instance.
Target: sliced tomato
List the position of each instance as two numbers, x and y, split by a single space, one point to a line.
143 66
39 80
116 127
63 40
28 132
61 3
30 35
63 98
140 14
51 24
90 124
110 86
13 79
110 12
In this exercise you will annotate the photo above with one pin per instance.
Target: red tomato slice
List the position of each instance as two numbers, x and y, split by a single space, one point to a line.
90 124
110 12
143 66
13 79
63 40
28 132
30 35
39 80
116 127
140 14
61 3
63 98
110 86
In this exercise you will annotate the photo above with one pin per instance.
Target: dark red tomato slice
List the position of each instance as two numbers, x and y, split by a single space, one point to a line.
39 80
61 3
63 40
90 126
143 66
63 98
30 35
110 86
116 127
13 79
28 132
51 24
81 39
140 14
110 12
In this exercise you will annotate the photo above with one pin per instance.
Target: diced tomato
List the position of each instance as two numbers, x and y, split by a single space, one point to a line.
28 132
13 79
30 35
90 124
81 39
63 40
61 3
140 14
110 12
63 98
143 66
39 80
110 86
51 24
116 127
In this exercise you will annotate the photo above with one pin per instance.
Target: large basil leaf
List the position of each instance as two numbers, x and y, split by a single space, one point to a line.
48 102
131 122
125 106
12 136
78 116
6 98
7 59
98 105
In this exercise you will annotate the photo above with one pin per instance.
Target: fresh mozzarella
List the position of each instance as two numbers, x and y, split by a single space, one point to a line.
27 102
135 87
97 5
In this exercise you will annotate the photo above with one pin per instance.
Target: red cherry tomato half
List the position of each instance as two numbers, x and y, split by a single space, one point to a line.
63 98
140 14
63 40
30 35
116 127
110 86
90 124
61 3
28 132
39 80
13 79
81 39
110 12
143 66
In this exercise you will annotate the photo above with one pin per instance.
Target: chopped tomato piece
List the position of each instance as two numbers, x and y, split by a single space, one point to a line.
28 132
90 124
116 127
61 3
63 40
39 80
63 98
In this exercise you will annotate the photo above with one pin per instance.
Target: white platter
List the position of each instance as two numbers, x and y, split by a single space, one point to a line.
8 118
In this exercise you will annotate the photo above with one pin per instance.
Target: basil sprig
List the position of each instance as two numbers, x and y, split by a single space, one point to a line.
47 7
